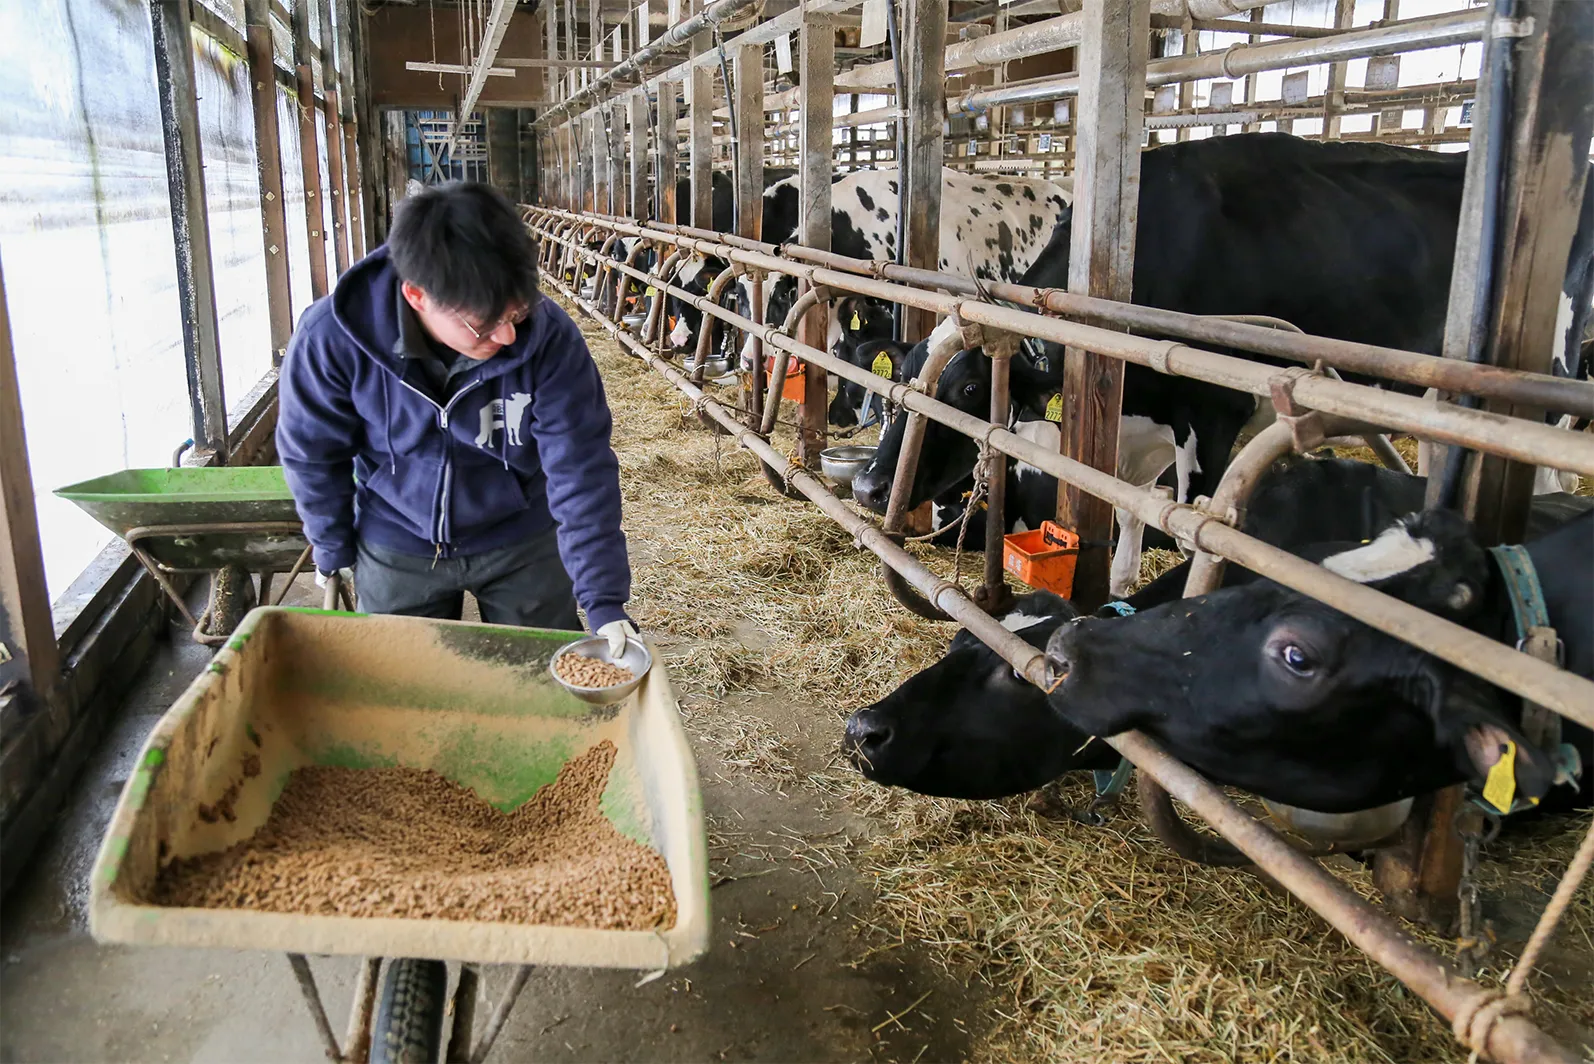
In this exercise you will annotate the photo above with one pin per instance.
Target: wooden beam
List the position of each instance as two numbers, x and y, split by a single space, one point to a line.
309 150
27 631
1112 78
487 50
748 71
617 174
334 120
638 124
816 65
924 34
1334 96
557 64
456 68
1551 124
667 138
185 185
268 160
348 112
700 146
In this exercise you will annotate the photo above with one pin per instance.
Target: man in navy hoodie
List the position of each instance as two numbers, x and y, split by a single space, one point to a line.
443 429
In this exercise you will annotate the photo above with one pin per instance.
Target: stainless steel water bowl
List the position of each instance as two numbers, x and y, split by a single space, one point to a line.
1345 829
634 320
714 367
841 464
636 658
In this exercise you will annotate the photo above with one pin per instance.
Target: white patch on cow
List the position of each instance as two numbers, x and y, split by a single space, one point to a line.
1020 525
832 332
1145 449
1018 620
1565 341
688 273
937 515
1395 551
1045 434
681 335
1186 465
747 353
1126 554
1547 481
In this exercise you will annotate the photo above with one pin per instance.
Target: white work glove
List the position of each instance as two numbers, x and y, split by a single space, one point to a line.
346 575
616 632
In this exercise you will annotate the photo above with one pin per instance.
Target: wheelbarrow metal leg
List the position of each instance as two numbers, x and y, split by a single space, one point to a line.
164 583
358 1038
500 1015
293 574
465 995
312 999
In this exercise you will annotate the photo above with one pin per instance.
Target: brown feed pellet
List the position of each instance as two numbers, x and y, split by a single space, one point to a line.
410 843
590 672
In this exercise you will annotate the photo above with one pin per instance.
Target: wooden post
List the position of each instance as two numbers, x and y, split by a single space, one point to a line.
338 187
348 109
1334 97
26 629
185 184
1190 39
748 70
924 31
816 63
1112 83
531 146
700 145
1551 123
1250 79
309 150
617 175
268 159
639 155
503 150
667 139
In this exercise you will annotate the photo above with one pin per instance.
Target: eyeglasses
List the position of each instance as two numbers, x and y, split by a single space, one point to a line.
516 318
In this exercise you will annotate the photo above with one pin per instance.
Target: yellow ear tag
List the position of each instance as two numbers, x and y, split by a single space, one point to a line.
855 324
1054 408
1500 786
881 365
652 291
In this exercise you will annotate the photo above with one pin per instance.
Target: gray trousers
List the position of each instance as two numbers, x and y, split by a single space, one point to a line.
523 584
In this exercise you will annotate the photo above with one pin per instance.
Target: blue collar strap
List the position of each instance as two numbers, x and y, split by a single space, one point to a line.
1522 581
1118 606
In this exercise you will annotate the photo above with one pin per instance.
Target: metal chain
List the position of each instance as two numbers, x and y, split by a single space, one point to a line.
1475 937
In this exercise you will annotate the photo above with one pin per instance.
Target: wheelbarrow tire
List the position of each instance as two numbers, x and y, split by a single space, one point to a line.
409 1018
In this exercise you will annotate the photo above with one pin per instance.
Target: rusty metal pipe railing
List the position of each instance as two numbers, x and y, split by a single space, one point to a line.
993 594
705 331
666 269
623 280
1553 394
1521 440
1570 695
777 381
1510 1038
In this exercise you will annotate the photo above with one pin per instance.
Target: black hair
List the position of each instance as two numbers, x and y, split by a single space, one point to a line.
464 244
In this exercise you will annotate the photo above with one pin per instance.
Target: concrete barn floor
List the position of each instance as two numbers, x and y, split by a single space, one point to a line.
781 981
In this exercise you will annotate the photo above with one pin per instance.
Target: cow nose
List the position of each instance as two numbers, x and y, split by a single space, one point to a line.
872 490
867 737
1061 658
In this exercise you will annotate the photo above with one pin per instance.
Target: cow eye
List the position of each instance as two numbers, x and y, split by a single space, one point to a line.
1296 660
971 389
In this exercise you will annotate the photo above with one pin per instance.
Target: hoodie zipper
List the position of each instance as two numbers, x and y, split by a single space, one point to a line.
440 527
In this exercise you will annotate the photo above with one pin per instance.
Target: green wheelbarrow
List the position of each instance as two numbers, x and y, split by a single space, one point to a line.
229 521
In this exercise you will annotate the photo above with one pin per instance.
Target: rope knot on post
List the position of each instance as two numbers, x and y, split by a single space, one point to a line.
1474 1022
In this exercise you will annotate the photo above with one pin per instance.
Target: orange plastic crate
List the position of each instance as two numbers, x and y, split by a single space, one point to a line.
1043 557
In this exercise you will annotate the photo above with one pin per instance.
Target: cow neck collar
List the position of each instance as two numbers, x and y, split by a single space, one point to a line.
1522 586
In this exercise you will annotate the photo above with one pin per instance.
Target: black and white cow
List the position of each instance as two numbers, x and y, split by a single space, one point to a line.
1346 500
992 227
1263 688
1205 417
1352 241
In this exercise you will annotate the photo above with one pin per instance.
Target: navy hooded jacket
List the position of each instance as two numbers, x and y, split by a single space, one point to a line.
521 445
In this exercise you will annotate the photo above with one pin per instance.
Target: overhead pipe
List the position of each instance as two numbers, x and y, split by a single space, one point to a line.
1462 27
676 36
1571 696
1505 1036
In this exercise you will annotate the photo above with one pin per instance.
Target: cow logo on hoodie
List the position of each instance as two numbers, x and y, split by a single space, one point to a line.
503 414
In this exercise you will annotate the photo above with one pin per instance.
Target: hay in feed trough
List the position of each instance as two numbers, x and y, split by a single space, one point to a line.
1101 945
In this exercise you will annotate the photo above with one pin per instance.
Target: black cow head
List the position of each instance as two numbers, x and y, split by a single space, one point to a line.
683 320
884 357
971 727
947 457
1263 688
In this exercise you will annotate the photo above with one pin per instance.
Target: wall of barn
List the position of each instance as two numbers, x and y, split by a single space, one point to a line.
85 239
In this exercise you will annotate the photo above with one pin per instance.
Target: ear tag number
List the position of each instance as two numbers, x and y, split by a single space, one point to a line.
1054 408
881 365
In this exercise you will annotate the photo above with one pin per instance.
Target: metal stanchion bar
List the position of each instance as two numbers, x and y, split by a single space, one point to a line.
1510 1038
1568 694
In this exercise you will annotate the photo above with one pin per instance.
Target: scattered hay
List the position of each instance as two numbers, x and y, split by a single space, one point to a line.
1100 943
